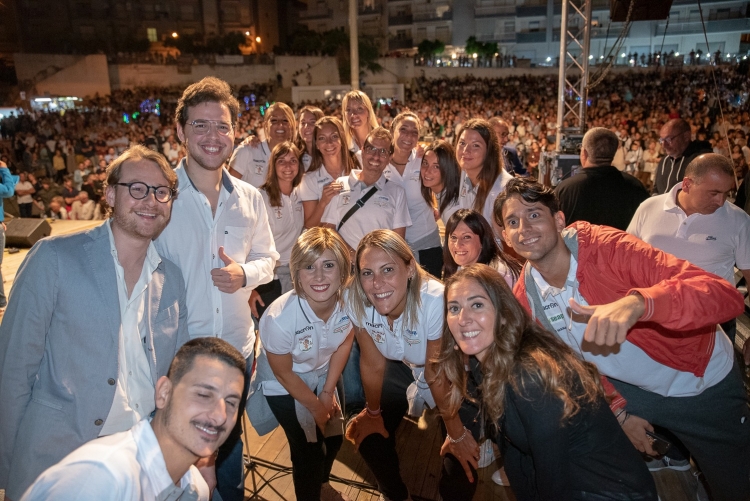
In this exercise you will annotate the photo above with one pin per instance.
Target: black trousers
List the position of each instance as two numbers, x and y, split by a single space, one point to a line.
311 461
380 453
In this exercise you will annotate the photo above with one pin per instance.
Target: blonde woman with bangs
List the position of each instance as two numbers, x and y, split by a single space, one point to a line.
558 437
305 337
331 160
249 161
359 119
397 311
281 197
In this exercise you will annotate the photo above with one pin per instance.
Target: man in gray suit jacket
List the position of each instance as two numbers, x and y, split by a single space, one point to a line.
93 322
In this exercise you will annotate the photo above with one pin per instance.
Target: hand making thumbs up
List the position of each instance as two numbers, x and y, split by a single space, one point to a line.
609 323
231 277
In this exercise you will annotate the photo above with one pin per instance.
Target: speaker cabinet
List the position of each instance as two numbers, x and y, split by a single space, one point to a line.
25 232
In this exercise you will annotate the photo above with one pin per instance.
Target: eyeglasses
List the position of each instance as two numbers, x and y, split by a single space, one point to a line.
139 191
663 140
201 127
381 152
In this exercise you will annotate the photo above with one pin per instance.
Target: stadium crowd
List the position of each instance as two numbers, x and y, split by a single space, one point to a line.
584 333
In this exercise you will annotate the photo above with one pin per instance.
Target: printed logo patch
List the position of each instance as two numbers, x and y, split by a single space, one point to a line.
710 238
378 337
306 343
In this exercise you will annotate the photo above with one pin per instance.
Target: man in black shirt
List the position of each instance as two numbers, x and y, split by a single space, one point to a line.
600 194
674 137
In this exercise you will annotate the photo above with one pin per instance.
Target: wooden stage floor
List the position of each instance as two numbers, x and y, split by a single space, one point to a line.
418 448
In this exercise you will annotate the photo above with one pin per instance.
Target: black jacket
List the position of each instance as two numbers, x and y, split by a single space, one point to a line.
670 171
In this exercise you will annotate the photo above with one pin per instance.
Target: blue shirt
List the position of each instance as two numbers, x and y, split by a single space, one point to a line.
7 187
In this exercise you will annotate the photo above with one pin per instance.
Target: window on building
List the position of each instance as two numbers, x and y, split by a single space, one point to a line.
151 35
674 15
533 25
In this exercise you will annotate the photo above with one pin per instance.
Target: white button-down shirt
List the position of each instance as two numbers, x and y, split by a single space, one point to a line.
127 466
192 240
134 392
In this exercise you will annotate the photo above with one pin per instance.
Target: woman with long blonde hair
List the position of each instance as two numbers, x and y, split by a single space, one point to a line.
558 437
358 117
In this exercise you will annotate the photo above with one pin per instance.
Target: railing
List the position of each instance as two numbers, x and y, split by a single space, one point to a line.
495 11
399 20
400 43
532 37
433 16
697 27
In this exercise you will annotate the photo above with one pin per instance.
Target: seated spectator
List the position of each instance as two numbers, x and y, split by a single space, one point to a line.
197 404
83 208
56 209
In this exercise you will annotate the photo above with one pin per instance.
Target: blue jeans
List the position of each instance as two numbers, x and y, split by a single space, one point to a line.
229 463
354 395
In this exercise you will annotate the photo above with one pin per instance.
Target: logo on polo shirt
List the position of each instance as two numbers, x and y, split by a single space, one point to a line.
410 337
306 343
303 329
710 238
377 336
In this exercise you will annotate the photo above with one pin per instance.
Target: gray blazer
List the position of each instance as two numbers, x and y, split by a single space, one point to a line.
59 349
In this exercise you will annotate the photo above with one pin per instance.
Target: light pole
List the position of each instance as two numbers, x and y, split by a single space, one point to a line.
353 46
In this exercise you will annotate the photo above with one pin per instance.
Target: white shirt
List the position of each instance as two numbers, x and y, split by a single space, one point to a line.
289 325
422 216
134 392
82 212
252 162
386 209
714 242
286 223
626 362
468 194
306 160
127 466
450 210
24 185
192 239
311 187
401 343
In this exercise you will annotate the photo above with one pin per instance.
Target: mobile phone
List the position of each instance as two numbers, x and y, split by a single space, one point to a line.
659 444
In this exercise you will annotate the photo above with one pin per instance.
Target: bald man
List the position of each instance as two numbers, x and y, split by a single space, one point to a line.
674 137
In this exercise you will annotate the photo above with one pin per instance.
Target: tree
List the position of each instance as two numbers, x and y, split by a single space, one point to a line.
429 48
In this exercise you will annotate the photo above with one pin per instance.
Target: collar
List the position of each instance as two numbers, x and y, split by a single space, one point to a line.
310 315
151 459
354 181
670 201
545 289
226 178
152 256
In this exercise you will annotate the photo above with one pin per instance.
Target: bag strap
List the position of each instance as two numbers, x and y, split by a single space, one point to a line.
362 201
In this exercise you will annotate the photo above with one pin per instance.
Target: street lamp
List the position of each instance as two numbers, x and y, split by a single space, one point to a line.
257 39
174 34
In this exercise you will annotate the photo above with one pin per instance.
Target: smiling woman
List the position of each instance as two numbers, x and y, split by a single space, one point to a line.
546 406
397 310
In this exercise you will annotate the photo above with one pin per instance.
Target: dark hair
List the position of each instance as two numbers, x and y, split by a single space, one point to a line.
481 228
379 133
314 111
530 191
522 352
348 163
492 163
211 347
208 90
450 173
271 185
601 145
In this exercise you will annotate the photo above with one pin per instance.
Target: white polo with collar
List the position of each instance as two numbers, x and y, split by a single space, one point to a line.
715 242
192 239
467 194
386 209
286 223
251 161
289 326
313 182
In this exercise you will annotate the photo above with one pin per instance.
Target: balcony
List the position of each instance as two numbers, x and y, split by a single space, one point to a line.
495 11
400 20
368 11
400 43
316 13
433 16
719 26
505 37
531 37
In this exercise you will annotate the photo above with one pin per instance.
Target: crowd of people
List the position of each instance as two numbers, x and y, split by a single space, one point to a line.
538 328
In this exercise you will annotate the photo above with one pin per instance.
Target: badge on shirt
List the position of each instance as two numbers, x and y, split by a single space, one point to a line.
382 201
378 336
345 199
415 176
259 169
410 337
279 213
463 192
305 343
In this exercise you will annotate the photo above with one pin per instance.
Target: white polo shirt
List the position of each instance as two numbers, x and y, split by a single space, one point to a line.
386 209
311 187
715 242
422 216
252 162
192 239
286 223
401 343
468 194
450 210
306 160
289 325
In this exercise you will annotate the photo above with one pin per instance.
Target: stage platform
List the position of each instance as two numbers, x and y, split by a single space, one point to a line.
418 447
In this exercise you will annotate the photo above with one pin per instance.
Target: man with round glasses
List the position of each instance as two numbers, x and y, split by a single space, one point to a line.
220 238
93 322
675 140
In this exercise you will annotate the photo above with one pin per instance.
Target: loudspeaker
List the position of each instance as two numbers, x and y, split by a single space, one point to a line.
643 10
25 232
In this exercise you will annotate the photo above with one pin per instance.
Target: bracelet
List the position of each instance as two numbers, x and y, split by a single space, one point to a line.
627 415
617 416
459 439
373 413
324 392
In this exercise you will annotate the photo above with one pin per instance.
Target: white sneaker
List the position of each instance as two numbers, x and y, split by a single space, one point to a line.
486 454
500 478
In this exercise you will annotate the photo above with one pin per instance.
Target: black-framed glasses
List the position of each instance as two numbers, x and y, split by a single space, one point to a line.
381 152
139 191
669 139
201 127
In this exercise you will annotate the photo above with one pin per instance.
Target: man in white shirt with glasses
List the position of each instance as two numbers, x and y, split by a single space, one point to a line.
220 238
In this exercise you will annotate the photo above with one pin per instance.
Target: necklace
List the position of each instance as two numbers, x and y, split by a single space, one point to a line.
399 163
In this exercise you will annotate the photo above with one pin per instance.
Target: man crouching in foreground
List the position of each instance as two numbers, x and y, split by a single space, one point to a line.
197 404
